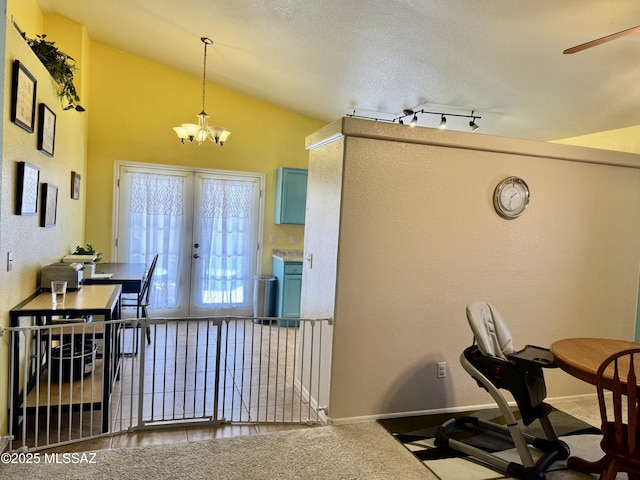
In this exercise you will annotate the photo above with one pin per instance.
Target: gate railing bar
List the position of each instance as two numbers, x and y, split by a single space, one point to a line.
261 371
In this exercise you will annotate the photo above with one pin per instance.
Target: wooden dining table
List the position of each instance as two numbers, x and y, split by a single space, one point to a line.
581 358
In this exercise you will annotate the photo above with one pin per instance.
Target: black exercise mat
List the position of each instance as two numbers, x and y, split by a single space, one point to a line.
416 433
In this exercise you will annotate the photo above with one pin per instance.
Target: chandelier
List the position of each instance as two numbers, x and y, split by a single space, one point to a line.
191 132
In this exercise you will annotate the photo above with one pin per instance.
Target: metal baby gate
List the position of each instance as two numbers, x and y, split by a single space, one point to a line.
195 371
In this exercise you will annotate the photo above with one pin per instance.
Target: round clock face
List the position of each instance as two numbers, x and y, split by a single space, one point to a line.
511 197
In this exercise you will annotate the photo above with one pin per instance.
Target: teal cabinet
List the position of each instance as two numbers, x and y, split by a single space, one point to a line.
289 275
291 195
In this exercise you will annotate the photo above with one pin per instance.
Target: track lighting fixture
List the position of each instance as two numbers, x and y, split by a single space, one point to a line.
414 120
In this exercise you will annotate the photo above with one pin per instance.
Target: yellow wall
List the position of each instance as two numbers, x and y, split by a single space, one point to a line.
33 246
622 140
135 104
27 14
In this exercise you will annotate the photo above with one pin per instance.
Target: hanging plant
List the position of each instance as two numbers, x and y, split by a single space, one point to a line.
61 67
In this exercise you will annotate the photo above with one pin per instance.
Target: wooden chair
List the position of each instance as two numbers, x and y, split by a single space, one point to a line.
620 441
141 301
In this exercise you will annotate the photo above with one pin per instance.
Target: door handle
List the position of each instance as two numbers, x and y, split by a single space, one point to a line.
195 255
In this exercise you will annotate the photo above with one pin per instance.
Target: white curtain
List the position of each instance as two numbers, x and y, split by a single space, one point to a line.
225 269
225 219
156 223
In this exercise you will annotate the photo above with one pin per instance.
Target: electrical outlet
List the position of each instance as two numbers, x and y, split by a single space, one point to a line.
442 369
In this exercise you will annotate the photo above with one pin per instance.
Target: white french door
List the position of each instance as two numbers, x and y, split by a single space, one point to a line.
205 225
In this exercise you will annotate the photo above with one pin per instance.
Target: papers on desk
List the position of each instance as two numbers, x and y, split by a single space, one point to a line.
102 275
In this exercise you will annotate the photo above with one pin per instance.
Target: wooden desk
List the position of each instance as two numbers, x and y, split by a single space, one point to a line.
101 300
129 275
581 358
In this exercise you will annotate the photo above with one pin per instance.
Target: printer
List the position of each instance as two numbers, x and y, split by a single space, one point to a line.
69 272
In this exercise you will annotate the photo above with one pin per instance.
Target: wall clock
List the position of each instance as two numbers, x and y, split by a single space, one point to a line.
511 197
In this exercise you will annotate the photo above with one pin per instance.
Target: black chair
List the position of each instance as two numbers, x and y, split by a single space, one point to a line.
140 302
493 362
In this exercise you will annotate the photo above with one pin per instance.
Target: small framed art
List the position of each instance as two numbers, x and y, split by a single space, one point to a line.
75 185
23 97
49 205
46 129
27 189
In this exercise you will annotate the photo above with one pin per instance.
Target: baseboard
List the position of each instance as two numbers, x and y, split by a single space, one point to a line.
373 418
582 396
328 420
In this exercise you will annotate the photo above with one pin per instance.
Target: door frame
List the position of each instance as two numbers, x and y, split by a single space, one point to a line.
119 164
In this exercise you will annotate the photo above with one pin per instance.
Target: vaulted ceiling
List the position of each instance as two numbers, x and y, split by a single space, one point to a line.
501 59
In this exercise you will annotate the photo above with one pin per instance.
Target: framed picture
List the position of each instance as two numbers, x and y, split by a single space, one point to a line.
46 129
75 185
49 205
27 189
23 97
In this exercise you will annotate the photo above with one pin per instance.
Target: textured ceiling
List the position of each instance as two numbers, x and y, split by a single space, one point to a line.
327 58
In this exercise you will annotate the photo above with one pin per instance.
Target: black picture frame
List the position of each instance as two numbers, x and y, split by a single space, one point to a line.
49 209
75 185
27 189
46 129
23 97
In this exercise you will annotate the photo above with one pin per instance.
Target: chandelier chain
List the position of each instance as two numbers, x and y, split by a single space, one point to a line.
204 75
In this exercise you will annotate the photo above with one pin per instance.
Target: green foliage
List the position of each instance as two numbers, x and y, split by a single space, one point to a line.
88 250
61 67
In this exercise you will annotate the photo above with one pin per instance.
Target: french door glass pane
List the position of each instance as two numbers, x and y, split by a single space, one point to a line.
225 265
156 223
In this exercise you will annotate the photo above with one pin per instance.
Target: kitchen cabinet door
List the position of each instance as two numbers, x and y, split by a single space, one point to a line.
291 196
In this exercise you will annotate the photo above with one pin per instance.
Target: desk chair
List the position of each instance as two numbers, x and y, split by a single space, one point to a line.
493 362
620 440
141 301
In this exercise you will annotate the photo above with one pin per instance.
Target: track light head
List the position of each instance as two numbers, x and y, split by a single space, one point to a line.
414 120
443 123
474 126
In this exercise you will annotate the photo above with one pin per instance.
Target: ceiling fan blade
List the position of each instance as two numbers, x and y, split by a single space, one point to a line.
602 40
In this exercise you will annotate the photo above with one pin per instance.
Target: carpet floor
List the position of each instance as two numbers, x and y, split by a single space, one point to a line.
349 452
417 433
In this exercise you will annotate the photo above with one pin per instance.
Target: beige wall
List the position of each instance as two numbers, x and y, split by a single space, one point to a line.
419 239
